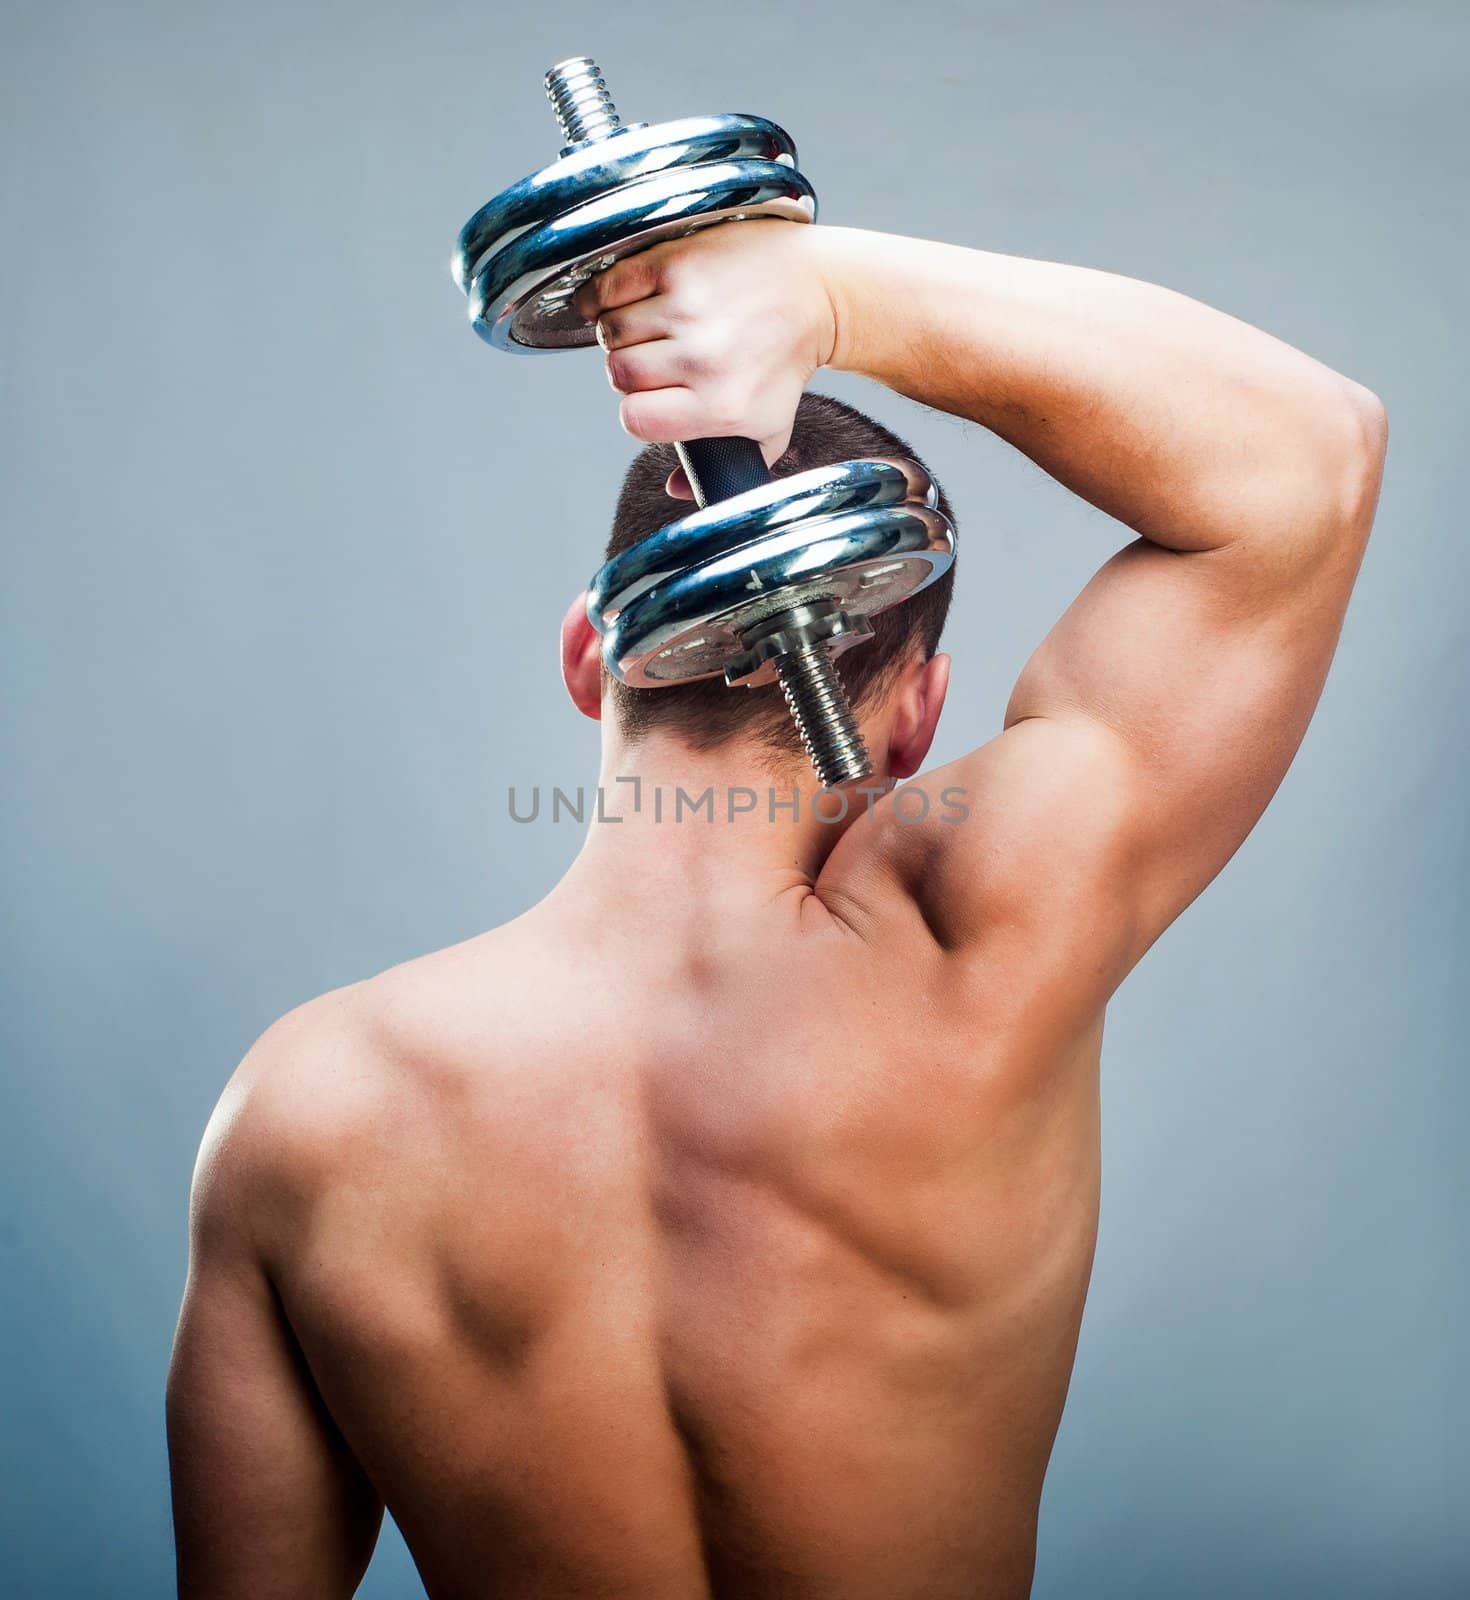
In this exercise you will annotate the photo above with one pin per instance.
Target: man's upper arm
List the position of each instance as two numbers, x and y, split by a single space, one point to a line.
1148 732
267 1498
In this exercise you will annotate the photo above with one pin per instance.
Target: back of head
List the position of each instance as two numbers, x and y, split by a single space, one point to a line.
706 714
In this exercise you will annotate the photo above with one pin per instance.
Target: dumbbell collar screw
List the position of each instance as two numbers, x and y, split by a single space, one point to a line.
819 622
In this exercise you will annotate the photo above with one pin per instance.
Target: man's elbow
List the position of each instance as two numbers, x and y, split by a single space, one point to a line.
1354 466
1328 488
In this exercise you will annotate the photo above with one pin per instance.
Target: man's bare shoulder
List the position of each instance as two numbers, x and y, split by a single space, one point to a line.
1021 841
328 1083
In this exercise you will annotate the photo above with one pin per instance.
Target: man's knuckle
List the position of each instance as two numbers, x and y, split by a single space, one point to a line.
597 291
684 285
700 360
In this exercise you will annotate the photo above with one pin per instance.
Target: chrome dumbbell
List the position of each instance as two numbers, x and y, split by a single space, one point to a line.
769 579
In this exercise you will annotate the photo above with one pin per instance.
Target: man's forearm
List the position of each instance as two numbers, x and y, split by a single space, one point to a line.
1190 426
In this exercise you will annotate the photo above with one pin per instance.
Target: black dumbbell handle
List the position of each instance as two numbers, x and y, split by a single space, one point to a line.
718 468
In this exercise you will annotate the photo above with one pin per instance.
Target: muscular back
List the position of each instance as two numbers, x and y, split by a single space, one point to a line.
720 1237
740 1257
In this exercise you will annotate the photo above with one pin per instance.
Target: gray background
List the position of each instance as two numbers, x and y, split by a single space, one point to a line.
285 551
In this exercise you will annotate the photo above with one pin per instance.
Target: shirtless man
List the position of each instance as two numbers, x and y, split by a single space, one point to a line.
722 1225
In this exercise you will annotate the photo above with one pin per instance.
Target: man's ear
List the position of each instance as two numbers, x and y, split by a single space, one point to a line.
920 700
581 660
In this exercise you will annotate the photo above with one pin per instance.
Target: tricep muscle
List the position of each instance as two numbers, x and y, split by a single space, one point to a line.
267 1498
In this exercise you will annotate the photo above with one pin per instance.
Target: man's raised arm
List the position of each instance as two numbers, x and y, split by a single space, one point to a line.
1151 727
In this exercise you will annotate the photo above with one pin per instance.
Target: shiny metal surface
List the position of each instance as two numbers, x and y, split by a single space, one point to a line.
823 716
680 604
578 95
868 483
787 633
690 623
597 168
522 255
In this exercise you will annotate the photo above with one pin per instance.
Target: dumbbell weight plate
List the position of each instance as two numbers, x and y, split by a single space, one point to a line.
596 168
868 482
690 624
520 258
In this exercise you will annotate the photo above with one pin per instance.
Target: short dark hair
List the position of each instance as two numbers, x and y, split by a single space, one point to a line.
706 713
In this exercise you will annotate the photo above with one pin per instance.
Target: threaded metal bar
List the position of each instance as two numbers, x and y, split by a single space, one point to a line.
584 109
823 717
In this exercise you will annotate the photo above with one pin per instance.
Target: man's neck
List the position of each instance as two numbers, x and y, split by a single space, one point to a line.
736 813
